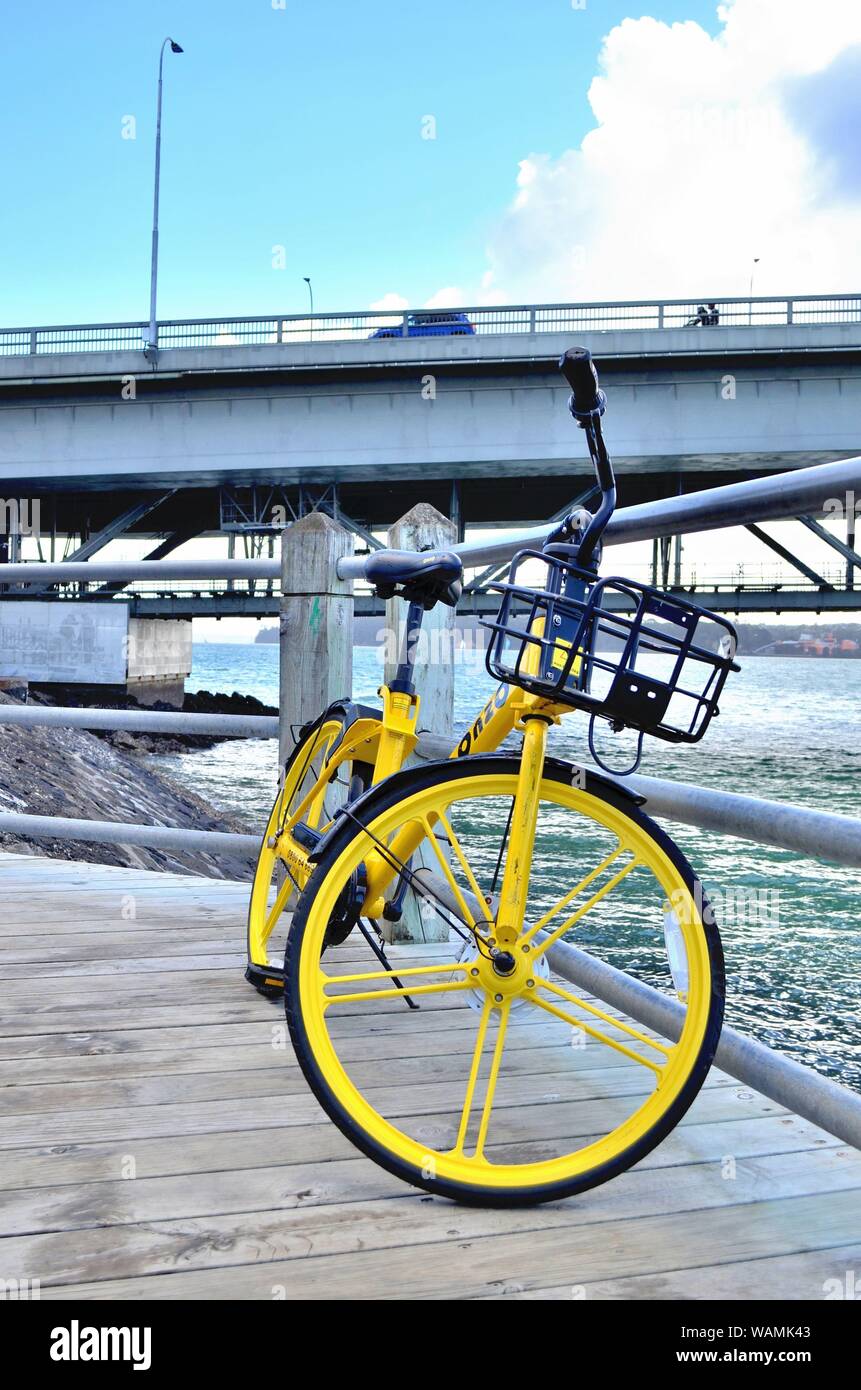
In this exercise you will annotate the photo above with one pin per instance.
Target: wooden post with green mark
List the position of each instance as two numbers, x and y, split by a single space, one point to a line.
316 623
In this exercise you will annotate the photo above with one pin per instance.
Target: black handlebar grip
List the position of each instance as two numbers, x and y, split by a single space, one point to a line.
578 369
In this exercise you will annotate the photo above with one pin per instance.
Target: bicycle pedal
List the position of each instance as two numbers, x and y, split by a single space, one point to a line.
266 979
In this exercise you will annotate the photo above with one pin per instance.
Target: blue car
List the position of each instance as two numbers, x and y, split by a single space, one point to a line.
429 325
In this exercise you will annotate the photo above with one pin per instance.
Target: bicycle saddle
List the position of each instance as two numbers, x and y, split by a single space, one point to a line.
427 578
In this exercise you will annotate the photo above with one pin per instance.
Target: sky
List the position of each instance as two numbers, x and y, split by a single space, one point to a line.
494 151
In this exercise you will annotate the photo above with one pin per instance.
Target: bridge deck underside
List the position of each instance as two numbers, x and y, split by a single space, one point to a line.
492 499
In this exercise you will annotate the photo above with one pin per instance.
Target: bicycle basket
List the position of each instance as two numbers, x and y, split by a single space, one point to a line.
622 651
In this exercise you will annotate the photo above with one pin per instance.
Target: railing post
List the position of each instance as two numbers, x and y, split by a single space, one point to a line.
316 630
424 528
34 341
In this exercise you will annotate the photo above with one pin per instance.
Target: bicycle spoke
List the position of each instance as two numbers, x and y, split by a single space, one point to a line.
464 863
595 1033
466 915
398 991
285 819
473 1078
570 896
504 1013
490 1092
552 986
577 916
420 885
282 897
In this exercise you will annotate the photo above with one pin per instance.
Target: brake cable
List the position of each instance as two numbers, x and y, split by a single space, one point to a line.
421 887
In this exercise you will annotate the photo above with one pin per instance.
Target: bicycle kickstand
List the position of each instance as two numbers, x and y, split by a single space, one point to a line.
384 961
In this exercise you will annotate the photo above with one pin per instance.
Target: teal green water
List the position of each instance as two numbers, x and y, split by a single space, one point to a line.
788 730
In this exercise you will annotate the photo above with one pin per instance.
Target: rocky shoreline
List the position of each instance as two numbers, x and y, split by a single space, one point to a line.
109 776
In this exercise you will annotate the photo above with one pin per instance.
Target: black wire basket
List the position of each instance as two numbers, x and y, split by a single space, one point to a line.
626 652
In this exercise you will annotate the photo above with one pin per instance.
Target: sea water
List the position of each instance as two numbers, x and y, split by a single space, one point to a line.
788 730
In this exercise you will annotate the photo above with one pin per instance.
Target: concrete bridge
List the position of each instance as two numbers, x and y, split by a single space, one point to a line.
292 407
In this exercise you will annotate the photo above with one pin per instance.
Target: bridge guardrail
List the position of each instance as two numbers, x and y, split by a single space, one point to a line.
260 330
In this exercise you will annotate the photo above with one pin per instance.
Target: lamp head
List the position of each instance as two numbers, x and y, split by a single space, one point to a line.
175 48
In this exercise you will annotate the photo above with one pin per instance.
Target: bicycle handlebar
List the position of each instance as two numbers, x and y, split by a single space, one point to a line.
587 405
578 369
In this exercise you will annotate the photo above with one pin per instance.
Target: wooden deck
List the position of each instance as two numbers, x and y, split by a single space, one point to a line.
155 1144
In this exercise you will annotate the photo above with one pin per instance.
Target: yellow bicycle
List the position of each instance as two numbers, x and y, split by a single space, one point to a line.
476 1063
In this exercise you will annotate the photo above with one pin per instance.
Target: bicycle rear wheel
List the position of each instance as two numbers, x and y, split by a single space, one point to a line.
280 876
514 1088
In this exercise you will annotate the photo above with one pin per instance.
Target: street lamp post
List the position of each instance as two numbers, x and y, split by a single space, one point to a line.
750 293
152 344
307 279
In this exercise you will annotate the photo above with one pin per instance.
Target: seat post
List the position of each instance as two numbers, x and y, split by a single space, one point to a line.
403 681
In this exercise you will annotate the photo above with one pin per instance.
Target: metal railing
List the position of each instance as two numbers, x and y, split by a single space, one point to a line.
142 721
802 491
274 329
748 578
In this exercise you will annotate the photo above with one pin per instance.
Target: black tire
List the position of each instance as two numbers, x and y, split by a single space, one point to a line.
381 798
266 981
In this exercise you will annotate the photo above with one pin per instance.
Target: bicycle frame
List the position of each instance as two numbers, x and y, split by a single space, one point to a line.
388 742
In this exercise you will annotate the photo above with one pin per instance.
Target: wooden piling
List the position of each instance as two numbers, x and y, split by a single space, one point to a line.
316 629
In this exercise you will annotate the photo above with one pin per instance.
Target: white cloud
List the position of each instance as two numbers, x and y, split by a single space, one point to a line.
701 157
390 303
449 298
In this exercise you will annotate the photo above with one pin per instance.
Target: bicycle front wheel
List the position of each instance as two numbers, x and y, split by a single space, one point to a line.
516 1086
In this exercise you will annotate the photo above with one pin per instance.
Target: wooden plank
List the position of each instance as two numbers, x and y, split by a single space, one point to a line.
281 1186
88 1016
268 1050
52 969
468 1262
406 1086
699 1139
82 947
812 1275
529 1121
185 1040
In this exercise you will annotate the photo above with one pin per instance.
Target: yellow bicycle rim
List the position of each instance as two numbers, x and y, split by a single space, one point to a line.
392 1103
280 864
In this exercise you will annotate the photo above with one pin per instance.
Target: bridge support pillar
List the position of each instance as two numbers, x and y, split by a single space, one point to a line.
666 542
316 629
424 528
456 510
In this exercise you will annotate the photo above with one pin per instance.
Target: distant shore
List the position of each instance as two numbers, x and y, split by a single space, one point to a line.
755 639
72 773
